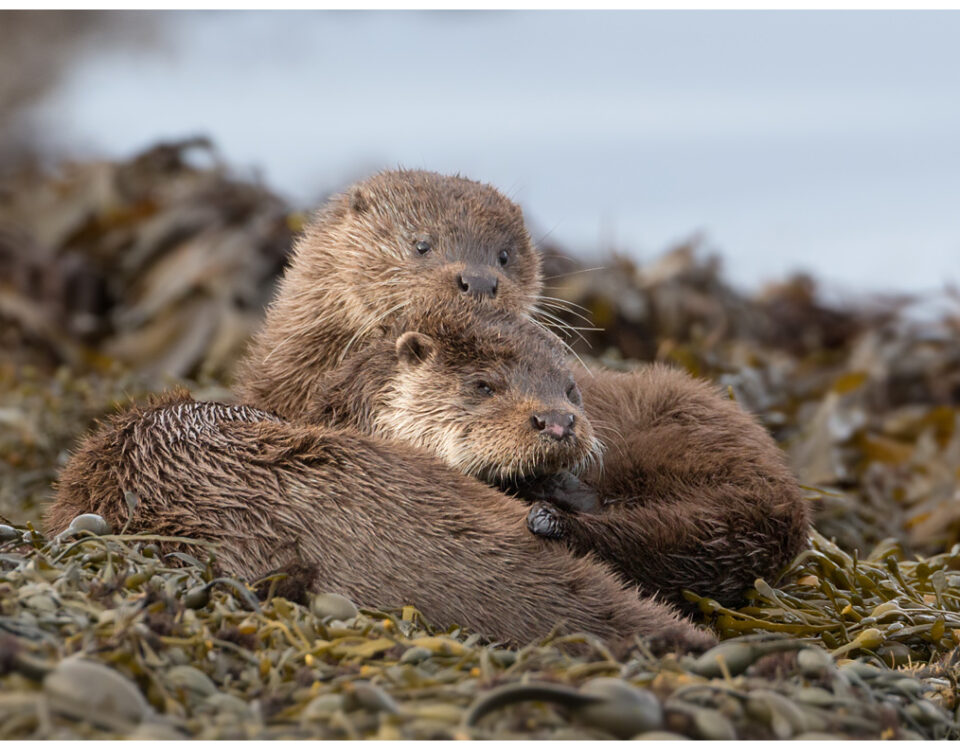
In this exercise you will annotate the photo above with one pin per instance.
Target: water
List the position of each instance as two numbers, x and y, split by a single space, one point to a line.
819 141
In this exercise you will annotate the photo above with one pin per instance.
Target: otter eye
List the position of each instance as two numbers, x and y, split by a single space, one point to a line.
503 257
423 247
484 388
573 393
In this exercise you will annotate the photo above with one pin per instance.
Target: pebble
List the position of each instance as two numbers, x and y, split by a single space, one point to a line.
814 661
91 691
627 710
779 712
89 522
925 712
366 695
322 706
415 655
334 606
230 704
8 533
815 696
153 730
712 725
736 657
197 598
191 680
862 670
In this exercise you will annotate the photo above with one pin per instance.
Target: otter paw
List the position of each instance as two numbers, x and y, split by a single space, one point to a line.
682 639
546 520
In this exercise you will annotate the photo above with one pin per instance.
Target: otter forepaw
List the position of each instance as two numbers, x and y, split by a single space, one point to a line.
547 521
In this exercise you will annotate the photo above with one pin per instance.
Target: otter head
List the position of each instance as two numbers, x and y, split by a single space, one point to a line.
404 239
493 401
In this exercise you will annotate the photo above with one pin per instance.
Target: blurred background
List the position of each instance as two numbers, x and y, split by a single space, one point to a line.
818 141
767 199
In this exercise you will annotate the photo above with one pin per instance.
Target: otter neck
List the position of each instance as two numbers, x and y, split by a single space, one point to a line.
309 328
353 394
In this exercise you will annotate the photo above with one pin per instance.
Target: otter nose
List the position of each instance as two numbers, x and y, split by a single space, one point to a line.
556 424
477 284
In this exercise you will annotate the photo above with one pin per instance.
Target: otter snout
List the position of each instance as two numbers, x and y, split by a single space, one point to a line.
477 283
555 424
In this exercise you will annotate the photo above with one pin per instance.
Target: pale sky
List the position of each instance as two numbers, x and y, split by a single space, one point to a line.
824 141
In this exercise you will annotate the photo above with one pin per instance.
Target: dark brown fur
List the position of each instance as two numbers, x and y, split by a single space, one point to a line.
384 524
698 495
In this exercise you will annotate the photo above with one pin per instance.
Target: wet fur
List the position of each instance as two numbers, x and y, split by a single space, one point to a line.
384 524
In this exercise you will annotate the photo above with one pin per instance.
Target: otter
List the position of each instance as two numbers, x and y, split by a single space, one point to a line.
693 492
396 242
490 395
384 523
470 390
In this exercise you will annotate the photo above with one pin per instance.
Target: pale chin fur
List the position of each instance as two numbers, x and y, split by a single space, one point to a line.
404 421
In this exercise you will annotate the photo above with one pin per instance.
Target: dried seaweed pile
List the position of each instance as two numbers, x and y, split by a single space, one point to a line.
104 637
159 263
114 274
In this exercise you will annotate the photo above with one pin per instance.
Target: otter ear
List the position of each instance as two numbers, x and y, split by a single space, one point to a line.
359 201
414 348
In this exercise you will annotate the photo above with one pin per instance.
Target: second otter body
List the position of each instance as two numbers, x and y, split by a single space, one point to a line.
696 494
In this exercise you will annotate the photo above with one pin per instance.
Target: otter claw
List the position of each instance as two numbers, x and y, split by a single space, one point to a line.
546 520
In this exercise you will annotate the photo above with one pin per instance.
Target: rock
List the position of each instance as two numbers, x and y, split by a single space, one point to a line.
814 661
191 680
626 711
226 703
334 606
322 706
371 697
90 691
8 533
89 522
712 725
415 655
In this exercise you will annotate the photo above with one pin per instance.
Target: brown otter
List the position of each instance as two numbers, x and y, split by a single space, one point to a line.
483 382
396 242
696 495
701 498
490 395
384 523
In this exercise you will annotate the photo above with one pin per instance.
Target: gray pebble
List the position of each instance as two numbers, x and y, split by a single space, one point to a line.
627 710
8 533
712 725
91 691
371 697
334 606
89 522
191 680
322 706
